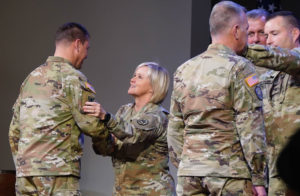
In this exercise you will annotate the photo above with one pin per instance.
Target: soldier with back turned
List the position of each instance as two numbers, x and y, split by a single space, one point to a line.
46 131
215 130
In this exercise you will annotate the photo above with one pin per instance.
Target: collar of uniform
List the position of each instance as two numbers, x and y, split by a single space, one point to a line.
147 107
221 47
58 59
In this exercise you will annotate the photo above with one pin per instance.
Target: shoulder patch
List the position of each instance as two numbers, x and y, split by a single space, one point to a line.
145 122
142 122
258 92
90 87
252 80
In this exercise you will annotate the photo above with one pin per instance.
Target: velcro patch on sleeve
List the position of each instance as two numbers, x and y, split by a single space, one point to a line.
145 122
90 87
252 80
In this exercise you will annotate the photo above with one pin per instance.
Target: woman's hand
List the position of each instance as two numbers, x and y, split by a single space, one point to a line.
94 109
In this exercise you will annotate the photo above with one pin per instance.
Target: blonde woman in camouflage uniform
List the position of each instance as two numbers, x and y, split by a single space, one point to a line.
139 139
46 131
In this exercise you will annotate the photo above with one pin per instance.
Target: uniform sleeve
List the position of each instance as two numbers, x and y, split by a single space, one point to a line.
175 129
249 120
77 93
131 138
103 146
275 58
14 130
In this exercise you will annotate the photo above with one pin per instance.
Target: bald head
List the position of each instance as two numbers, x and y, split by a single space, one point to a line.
224 15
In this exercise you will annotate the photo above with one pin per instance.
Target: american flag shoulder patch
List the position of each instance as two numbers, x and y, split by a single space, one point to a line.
252 80
89 86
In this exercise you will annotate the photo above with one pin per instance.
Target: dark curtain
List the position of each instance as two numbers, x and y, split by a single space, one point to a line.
269 5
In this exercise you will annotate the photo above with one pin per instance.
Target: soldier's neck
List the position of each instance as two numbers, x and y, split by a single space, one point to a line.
140 102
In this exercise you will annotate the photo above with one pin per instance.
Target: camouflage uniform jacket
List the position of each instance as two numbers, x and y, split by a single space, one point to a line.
281 90
216 124
47 123
140 157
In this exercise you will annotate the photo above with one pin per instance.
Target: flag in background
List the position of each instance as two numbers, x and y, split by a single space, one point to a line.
269 5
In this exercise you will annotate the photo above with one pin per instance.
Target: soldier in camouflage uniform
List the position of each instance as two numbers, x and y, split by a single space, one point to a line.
215 130
139 147
257 19
46 131
280 87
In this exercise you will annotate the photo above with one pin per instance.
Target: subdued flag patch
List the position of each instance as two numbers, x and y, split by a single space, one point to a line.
89 86
252 80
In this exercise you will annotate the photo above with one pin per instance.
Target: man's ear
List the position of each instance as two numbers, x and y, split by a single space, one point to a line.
77 44
236 31
295 34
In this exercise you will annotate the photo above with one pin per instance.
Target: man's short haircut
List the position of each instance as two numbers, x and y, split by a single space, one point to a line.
222 15
70 32
289 17
159 79
257 13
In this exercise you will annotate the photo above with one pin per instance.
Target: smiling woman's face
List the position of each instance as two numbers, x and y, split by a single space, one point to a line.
140 84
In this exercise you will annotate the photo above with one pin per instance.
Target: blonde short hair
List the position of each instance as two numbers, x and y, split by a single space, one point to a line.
159 79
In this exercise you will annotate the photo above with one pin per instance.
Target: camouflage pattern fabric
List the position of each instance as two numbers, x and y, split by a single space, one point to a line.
281 103
277 187
47 186
261 71
47 125
202 186
140 156
216 124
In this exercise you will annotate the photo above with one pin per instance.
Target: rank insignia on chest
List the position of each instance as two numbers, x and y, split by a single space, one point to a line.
252 80
142 122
